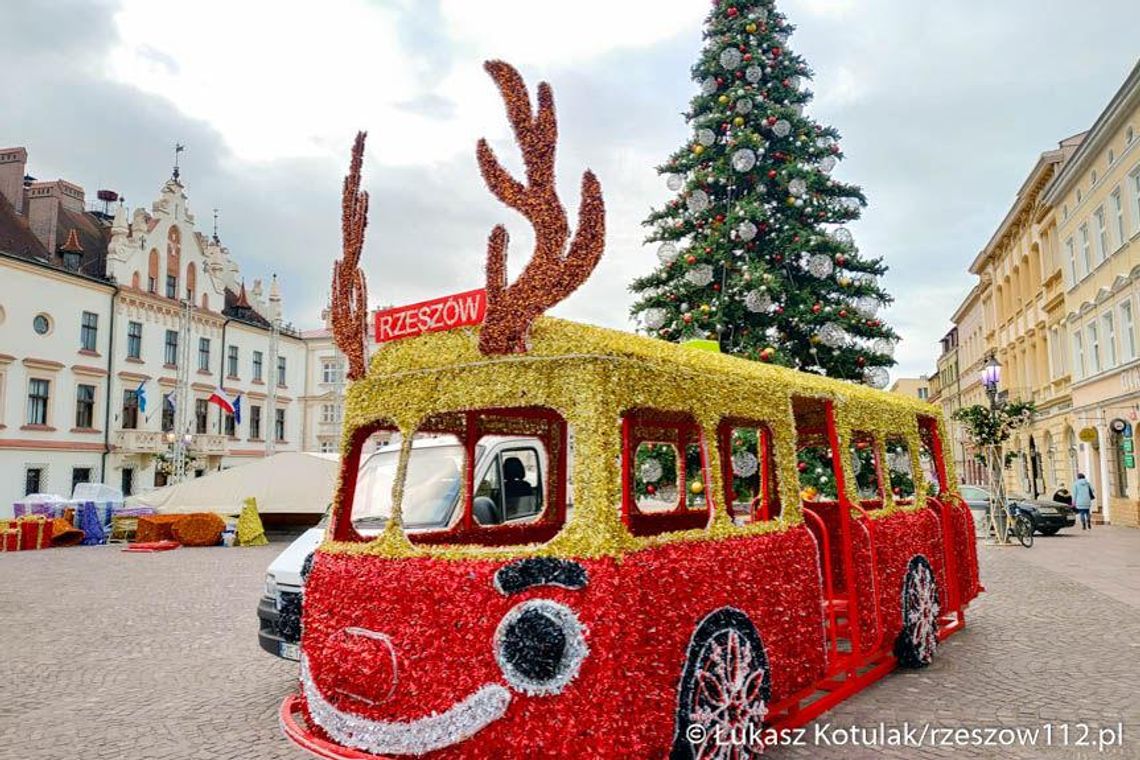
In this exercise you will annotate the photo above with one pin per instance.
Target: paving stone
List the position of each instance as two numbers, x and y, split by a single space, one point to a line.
155 657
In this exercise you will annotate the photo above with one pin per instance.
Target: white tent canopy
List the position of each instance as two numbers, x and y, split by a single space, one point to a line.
289 482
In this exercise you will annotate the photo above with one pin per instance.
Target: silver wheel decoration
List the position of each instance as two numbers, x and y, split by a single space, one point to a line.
728 696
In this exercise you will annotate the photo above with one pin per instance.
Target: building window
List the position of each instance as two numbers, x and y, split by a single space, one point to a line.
134 340
85 406
204 354
152 284
923 394
281 371
1109 339
79 475
1128 325
1072 251
39 394
229 425
1135 200
1086 250
89 331
279 424
130 409
201 415
328 447
170 355
232 361
168 412
1101 234
1078 355
33 480
171 286
41 324
1094 349
127 481
257 362
330 413
1111 157
1118 214
255 422
332 372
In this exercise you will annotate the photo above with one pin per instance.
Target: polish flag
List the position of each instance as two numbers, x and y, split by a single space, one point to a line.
220 398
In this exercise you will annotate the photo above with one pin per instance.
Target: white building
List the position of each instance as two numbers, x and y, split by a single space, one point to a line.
96 306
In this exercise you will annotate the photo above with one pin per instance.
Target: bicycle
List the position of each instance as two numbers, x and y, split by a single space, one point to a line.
1020 525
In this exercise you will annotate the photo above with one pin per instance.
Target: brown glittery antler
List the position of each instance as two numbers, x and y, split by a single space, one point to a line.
549 276
349 290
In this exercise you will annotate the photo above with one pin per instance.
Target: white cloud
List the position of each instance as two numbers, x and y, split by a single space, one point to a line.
526 32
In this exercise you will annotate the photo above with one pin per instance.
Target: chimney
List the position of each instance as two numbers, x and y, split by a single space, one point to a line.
13 162
43 203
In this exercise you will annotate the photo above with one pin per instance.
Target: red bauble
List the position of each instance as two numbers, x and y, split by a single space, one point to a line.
779 309
843 313
771 174
860 361
690 259
686 318
841 260
771 120
716 286
835 148
778 258
786 83
816 308
732 12
748 57
651 489
719 82
740 75
801 466
776 52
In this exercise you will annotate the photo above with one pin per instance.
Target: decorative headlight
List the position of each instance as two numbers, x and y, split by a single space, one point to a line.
540 644
271 586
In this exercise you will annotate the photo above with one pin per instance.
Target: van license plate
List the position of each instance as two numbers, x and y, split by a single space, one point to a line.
289 651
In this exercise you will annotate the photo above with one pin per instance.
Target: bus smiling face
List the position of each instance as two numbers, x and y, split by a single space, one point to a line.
436 652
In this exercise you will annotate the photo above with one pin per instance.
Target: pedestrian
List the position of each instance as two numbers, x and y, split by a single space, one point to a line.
1082 499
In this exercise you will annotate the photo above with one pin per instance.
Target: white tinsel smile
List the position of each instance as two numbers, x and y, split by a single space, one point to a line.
416 737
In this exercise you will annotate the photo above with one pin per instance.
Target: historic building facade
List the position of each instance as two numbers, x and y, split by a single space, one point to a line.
116 328
1095 199
1056 300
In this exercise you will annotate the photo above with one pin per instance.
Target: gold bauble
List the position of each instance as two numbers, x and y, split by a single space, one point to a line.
751 29
698 149
722 99
738 121
697 487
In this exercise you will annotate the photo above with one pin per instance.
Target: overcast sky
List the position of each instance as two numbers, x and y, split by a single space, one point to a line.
943 108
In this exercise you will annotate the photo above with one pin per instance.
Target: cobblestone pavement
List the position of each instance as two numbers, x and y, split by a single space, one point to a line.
112 655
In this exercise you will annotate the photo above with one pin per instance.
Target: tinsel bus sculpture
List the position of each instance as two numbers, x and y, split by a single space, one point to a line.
592 544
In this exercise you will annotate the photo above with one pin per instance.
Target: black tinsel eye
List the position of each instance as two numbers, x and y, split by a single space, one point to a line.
540 645
307 568
534 644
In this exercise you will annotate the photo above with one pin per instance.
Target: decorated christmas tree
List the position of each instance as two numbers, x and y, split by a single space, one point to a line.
753 249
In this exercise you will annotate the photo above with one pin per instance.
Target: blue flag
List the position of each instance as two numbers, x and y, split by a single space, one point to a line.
168 398
237 410
140 396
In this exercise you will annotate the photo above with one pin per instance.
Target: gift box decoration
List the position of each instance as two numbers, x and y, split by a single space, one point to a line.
91 524
23 509
35 532
64 533
9 540
153 528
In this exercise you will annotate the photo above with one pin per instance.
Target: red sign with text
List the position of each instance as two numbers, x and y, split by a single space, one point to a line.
449 312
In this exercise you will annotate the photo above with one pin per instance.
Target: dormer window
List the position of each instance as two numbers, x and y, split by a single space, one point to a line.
71 260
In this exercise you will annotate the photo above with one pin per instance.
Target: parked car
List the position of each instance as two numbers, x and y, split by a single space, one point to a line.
434 476
1048 516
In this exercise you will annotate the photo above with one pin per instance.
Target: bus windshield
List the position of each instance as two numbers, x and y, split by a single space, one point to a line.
431 489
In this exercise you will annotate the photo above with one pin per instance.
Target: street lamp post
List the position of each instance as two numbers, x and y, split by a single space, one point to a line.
991 379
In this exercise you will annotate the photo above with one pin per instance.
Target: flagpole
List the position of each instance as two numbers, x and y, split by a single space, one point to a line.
181 389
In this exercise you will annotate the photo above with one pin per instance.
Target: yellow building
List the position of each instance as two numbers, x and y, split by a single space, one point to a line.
1020 294
1094 203
911 387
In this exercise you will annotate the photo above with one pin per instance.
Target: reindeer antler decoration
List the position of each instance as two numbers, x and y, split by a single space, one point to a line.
349 290
549 276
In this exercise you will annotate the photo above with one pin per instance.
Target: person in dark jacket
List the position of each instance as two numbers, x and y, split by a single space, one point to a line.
1082 499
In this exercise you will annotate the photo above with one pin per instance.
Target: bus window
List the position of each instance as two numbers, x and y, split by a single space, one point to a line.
901 472
493 477
814 458
931 456
749 471
662 489
865 466
657 467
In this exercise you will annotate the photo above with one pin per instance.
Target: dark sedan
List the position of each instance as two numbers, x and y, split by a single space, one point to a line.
1048 516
